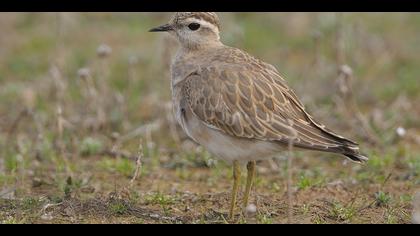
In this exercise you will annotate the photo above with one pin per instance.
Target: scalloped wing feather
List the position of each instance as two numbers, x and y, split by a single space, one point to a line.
247 98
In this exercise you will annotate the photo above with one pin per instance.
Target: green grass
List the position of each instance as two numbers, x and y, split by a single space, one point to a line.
382 199
342 213
308 179
118 208
30 203
304 182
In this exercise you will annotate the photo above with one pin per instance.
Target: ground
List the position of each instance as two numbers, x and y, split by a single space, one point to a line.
87 134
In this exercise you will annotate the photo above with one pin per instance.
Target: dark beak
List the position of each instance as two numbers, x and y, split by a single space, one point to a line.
162 28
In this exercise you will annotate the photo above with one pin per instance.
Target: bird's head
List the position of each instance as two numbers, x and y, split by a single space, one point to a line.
193 29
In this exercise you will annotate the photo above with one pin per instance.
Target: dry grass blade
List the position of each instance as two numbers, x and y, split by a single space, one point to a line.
290 176
138 163
290 183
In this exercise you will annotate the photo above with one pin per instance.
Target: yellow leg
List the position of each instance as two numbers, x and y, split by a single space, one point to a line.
249 181
236 181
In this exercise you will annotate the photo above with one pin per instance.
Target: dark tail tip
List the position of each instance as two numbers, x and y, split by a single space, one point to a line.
357 158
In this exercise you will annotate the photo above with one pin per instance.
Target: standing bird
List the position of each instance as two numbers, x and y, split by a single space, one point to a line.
236 106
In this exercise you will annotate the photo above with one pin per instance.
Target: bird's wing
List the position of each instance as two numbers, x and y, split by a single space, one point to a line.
251 100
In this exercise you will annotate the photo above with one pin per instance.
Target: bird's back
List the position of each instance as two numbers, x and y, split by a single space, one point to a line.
244 97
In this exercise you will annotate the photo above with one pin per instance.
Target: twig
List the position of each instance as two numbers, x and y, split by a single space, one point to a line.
290 172
386 179
289 183
138 163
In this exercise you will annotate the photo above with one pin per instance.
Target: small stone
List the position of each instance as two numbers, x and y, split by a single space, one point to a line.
47 217
155 216
251 210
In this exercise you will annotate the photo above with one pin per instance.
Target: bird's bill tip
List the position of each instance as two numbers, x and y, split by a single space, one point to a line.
162 28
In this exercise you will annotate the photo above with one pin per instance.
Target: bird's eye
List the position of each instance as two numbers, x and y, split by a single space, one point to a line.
194 26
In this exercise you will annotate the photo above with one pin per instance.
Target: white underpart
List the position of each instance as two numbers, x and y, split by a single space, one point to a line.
226 147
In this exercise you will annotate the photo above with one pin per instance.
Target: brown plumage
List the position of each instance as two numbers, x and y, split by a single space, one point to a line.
238 107
244 97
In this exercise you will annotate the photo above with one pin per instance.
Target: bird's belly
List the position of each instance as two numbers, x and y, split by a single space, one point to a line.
226 147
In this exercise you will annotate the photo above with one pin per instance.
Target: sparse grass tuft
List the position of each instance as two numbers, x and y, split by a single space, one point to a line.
342 213
30 203
118 207
382 199
304 182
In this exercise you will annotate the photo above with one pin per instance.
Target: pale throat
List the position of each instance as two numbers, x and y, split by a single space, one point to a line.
189 46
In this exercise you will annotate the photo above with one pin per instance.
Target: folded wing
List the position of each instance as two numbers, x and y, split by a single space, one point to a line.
251 100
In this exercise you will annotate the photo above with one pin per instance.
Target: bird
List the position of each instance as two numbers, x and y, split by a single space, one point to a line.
236 106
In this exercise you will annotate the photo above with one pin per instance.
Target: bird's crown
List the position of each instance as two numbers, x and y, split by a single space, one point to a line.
210 17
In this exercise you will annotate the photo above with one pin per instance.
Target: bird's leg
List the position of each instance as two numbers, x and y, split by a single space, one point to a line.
236 181
249 181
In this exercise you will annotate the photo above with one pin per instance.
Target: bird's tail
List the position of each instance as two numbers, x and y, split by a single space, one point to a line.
353 153
357 158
